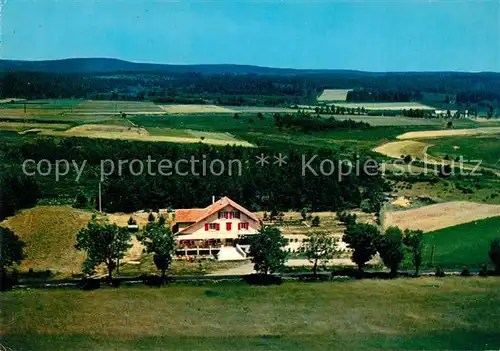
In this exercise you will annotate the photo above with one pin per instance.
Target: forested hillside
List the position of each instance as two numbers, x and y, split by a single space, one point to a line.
107 79
259 188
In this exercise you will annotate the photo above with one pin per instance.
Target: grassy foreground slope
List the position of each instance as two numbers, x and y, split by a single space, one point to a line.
465 244
425 313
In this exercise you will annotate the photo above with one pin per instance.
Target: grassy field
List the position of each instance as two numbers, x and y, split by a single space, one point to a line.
424 313
485 148
21 126
483 190
50 235
463 245
126 132
188 109
387 106
392 120
116 106
334 95
438 216
263 131
464 132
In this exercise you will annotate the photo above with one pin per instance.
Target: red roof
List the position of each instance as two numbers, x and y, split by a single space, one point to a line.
187 215
196 215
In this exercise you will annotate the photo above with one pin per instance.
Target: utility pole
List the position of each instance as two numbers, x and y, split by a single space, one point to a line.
100 198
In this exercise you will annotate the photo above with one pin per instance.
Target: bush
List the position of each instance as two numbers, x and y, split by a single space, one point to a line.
494 253
315 221
81 201
314 277
483 272
262 279
151 217
439 273
90 284
465 272
7 282
131 221
346 218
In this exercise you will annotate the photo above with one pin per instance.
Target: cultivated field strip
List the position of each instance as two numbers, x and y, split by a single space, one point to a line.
449 132
438 216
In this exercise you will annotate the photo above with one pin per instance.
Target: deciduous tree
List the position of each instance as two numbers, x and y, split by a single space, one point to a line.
267 250
321 247
414 241
391 249
159 241
11 249
361 238
104 243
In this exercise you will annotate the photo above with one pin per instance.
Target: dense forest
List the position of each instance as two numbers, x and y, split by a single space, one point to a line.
232 84
170 88
270 187
373 95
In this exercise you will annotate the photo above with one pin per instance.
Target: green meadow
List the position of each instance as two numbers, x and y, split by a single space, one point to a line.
413 314
463 245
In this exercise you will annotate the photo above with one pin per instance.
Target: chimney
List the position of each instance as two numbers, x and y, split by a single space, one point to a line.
213 199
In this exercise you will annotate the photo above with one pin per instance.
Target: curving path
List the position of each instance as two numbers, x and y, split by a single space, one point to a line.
414 148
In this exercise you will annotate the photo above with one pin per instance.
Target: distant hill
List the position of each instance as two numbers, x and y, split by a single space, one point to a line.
107 65
110 65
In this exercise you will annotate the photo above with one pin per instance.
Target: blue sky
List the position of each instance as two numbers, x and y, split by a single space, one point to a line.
366 35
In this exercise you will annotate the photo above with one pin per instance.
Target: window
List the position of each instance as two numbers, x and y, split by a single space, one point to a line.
235 214
222 214
243 226
213 226
228 226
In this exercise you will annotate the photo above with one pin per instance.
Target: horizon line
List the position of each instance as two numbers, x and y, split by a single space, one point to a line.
241 65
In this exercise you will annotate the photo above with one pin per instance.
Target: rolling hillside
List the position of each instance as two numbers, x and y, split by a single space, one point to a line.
109 65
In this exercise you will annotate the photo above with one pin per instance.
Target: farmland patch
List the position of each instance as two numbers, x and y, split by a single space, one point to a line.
438 216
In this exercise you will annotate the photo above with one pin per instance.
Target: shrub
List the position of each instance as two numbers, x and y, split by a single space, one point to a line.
81 201
262 279
303 213
131 221
90 284
439 272
494 253
151 217
315 221
7 282
346 218
483 272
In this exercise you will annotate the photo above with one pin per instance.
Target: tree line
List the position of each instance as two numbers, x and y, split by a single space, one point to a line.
307 122
372 95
